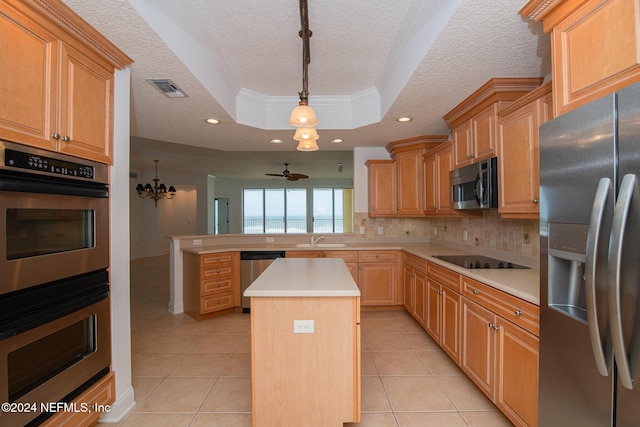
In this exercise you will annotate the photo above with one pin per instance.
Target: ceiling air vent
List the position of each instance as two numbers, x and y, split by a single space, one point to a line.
167 87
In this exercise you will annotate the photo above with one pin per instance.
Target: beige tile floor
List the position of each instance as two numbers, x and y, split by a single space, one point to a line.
188 373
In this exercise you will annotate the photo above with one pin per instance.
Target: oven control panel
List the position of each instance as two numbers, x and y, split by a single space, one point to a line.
34 162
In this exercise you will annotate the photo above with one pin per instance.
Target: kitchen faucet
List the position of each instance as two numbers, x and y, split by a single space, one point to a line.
315 240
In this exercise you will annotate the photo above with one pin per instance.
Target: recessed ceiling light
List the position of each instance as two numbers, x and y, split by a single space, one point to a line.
212 121
404 119
276 141
337 140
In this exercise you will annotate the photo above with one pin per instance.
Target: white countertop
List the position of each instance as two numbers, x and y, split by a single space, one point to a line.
304 277
521 283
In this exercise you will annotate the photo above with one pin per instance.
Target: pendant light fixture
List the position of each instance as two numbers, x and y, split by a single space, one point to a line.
303 117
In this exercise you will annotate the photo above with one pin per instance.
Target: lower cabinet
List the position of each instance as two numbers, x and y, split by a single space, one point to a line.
491 335
211 283
378 278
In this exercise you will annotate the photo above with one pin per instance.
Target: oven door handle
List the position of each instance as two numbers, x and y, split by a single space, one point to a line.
29 183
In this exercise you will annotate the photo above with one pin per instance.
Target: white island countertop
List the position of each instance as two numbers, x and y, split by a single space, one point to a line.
304 277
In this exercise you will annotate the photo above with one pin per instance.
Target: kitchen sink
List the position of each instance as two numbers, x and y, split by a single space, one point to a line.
321 245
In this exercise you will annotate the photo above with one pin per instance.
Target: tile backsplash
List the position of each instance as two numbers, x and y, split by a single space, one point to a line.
489 231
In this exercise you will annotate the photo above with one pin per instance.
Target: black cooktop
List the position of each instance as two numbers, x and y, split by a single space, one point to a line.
477 261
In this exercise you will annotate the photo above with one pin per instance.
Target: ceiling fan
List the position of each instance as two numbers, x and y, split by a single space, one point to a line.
288 175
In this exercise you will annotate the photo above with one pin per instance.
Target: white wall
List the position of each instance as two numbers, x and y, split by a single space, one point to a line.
120 281
360 156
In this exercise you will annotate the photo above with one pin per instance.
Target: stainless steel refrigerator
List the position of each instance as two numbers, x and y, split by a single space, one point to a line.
590 264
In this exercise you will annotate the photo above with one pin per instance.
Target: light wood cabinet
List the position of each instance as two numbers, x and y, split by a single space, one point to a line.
211 284
519 153
378 278
96 398
303 254
408 155
500 349
350 259
61 91
477 358
310 379
414 282
382 188
474 120
443 309
594 44
437 165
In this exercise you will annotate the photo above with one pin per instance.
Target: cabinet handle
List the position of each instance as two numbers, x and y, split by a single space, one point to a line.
359 268
518 312
66 138
377 256
218 285
494 327
218 302
373 208
476 292
491 325
56 135
218 271
471 156
536 201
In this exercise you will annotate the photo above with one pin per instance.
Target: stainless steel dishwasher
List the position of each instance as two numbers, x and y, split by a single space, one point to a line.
252 264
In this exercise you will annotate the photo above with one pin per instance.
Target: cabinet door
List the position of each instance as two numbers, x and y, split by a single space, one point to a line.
409 167
377 283
408 283
433 315
85 106
595 52
28 81
477 357
484 133
519 161
450 333
444 160
517 376
462 144
382 189
430 185
419 297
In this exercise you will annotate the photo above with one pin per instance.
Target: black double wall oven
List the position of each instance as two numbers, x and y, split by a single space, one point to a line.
54 286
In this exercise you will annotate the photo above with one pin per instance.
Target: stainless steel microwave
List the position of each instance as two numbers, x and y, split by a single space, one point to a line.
475 186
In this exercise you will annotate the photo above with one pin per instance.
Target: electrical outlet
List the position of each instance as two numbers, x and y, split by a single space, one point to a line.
197 242
465 235
435 231
271 239
361 230
380 230
303 326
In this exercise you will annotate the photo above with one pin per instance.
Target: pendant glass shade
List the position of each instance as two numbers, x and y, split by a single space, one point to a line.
303 115
307 145
306 134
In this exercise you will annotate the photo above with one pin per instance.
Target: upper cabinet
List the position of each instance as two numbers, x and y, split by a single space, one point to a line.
474 120
410 175
382 188
519 154
57 73
595 47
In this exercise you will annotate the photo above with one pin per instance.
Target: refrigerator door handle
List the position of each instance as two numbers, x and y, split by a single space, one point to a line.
628 193
593 237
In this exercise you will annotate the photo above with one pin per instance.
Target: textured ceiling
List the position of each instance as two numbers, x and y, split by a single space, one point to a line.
403 57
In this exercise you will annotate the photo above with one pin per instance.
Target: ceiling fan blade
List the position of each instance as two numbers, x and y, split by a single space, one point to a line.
292 178
299 175
274 174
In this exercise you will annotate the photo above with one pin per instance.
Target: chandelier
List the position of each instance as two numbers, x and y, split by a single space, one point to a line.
303 117
158 191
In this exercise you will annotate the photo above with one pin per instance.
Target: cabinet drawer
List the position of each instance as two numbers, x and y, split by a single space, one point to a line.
213 259
347 256
415 262
444 276
215 271
211 286
377 256
211 303
520 312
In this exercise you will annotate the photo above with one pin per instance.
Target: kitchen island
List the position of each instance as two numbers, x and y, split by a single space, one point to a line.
305 344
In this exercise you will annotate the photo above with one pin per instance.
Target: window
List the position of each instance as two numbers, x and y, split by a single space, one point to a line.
328 211
279 210
275 210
